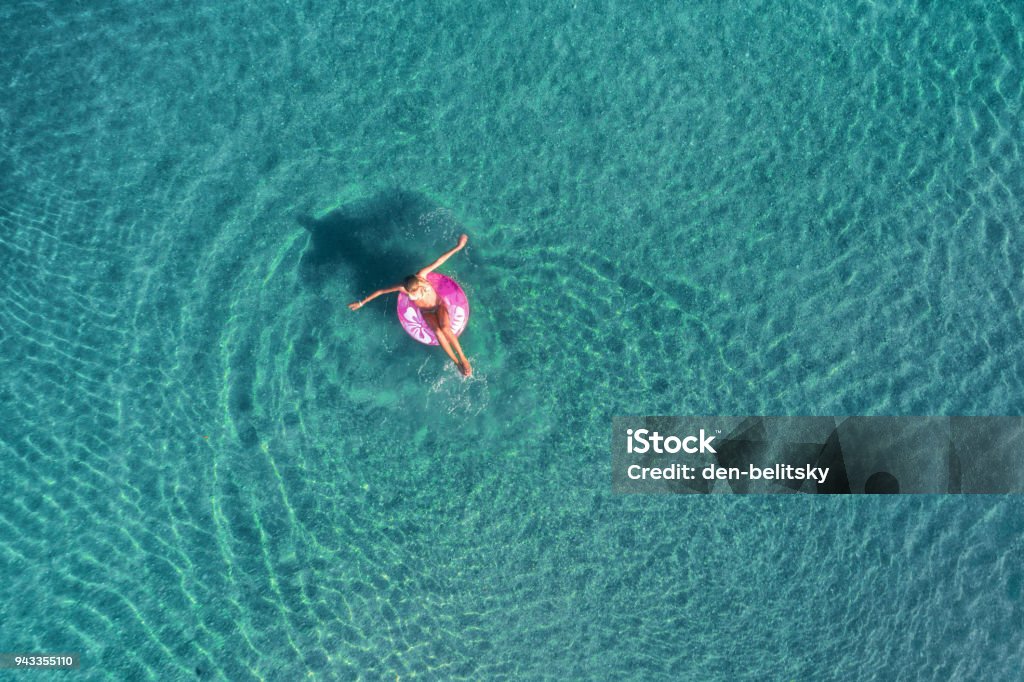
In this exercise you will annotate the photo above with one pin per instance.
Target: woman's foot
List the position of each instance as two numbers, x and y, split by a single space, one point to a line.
464 367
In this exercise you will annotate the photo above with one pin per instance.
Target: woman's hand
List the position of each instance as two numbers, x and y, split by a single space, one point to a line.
462 240
355 306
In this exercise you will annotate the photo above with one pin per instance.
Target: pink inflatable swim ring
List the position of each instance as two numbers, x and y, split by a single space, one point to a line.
455 300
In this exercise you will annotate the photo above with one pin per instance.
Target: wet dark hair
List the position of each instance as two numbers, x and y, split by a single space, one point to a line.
410 281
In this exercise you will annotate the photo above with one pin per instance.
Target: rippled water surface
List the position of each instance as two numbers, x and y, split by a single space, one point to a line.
214 470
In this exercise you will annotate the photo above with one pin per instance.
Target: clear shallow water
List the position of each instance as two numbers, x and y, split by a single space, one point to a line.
213 469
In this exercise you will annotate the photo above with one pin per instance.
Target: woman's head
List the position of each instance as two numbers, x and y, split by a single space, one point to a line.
412 284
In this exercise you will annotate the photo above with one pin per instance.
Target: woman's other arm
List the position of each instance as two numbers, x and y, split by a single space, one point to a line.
445 256
359 304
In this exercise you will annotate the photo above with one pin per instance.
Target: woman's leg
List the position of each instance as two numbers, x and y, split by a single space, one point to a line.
446 331
442 338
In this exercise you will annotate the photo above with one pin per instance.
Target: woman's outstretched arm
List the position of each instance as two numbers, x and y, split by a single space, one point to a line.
359 304
445 256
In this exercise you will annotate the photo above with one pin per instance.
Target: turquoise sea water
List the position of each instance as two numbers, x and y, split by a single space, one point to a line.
214 470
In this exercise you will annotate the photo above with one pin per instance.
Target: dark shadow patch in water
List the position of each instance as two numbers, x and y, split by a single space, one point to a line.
373 242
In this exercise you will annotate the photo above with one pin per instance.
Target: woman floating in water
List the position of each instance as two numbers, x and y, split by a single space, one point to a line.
432 306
